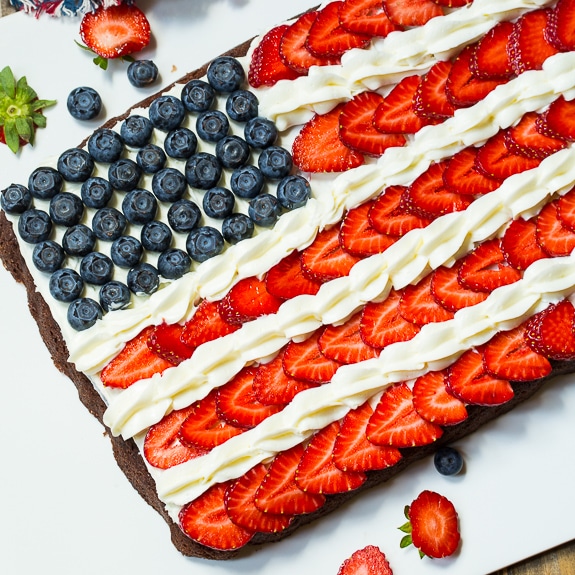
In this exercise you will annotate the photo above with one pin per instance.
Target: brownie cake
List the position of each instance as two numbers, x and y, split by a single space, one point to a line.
400 274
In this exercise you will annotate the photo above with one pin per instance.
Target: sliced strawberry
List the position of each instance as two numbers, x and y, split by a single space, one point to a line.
293 46
490 58
325 259
389 215
343 343
248 300
526 139
561 26
382 324
162 446
431 101
115 31
279 493
357 129
486 269
448 291
365 17
327 37
266 66
461 175
136 361
353 452
396 114
552 236
272 385
236 401
357 235
317 473
418 304
369 560
434 525
165 341
241 509
411 12
566 210
559 118
286 279
519 244
304 360
206 324
528 43
468 380
551 332
453 3
206 521
508 356
433 401
318 147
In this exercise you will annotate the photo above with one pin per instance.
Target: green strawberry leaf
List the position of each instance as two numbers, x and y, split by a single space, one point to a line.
8 82
11 135
405 542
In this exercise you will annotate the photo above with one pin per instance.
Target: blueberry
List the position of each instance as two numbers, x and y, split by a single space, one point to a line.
204 243
34 226
237 227
44 183
78 240
264 210
174 263
114 295
96 192
232 151
151 158
105 145
247 181
108 224
198 96
66 209
142 73
48 256
242 105
260 133
139 206
15 199
124 174
180 143
84 103
136 131
203 171
218 203
143 279
212 125
66 285
293 191
448 461
169 185
83 313
96 268
126 251
225 74
184 215
275 162
166 113
156 236
75 165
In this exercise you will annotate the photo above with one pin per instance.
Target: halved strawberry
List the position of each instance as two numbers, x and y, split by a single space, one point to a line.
526 139
519 244
431 101
395 421
508 356
561 26
559 118
357 129
566 210
490 58
353 452
279 493
286 279
162 446
318 147
343 343
468 380
369 560
165 341
382 324
434 402
418 304
206 324
552 236
365 17
461 175
236 401
266 66
411 12
136 361
304 360
317 473
206 521
448 291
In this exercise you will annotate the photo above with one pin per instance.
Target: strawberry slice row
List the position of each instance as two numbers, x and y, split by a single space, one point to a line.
370 123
